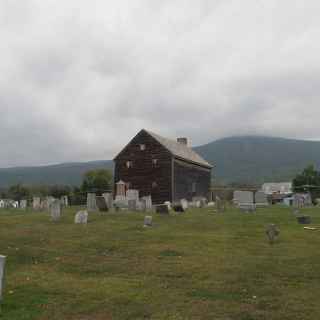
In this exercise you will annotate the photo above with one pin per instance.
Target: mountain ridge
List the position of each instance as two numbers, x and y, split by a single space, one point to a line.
249 159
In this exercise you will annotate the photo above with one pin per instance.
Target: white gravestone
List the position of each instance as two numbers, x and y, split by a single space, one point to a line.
244 200
36 203
132 205
148 201
184 204
148 221
168 203
55 210
64 201
91 202
261 199
109 199
23 204
81 217
2 265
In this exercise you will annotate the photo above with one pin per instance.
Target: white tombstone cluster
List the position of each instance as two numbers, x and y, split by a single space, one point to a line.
132 201
9 204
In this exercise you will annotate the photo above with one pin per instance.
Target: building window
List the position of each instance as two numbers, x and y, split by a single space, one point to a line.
193 187
155 163
154 185
142 147
129 164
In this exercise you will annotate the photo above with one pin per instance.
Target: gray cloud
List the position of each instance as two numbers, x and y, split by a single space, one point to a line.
78 79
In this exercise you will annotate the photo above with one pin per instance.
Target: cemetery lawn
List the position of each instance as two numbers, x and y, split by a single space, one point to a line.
199 265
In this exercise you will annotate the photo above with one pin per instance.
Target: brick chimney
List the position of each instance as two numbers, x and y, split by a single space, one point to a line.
183 141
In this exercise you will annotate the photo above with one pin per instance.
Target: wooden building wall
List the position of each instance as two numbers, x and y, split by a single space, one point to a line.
143 173
185 174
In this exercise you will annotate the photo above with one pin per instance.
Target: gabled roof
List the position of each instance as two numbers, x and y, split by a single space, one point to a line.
180 150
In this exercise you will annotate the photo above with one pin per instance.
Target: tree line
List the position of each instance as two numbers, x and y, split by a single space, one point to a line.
97 181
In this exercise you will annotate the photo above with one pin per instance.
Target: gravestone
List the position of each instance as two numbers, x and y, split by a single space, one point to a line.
81 217
261 199
244 200
132 194
64 201
304 219
168 203
148 201
23 204
101 204
162 209
219 205
272 232
142 205
109 199
184 204
36 203
148 221
91 202
2 265
132 204
178 208
55 210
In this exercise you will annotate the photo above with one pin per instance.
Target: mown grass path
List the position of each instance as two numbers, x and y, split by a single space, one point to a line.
198 265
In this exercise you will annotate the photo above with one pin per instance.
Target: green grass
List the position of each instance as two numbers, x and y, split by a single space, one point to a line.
197 265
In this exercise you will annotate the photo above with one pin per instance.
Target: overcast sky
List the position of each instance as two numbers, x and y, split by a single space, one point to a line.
78 79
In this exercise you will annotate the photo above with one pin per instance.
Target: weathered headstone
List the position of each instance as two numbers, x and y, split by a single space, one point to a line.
184 204
132 204
101 204
109 199
132 194
178 208
36 203
81 217
23 204
304 219
261 199
162 209
55 210
2 266
148 221
272 232
168 203
244 200
91 202
148 201
142 205
64 201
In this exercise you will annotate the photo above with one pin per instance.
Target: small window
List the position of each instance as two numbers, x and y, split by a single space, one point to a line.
193 187
142 147
129 164
155 162
154 185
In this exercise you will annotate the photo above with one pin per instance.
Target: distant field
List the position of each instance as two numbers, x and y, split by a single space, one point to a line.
197 265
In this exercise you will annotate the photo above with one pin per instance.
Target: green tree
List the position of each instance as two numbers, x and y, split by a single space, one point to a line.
97 180
18 192
308 180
